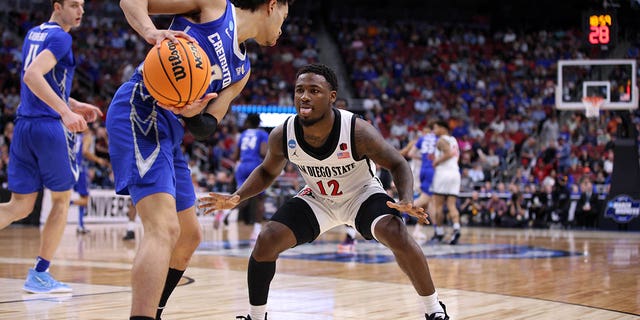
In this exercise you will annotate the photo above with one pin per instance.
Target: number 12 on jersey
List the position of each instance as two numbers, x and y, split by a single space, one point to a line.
331 184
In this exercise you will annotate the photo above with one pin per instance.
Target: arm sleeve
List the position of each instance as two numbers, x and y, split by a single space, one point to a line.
201 126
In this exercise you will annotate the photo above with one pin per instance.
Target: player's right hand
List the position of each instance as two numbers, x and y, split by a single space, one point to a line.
74 122
217 201
193 108
156 36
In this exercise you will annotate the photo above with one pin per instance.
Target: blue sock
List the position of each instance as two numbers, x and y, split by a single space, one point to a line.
81 217
42 264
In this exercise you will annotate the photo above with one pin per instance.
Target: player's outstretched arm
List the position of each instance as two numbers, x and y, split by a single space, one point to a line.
371 144
261 177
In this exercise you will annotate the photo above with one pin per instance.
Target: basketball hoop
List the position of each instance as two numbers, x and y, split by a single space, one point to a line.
592 106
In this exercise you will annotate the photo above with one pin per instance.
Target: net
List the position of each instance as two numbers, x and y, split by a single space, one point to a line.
592 106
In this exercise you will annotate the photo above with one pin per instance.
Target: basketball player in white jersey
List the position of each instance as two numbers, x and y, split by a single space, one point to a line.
422 151
335 152
446 181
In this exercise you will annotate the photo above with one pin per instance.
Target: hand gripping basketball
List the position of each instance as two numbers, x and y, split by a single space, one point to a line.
176 73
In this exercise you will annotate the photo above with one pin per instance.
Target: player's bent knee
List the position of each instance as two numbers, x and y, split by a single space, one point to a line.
270 244
191 239
391 232
167 234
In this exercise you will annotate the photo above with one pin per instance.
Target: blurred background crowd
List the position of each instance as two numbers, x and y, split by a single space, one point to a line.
488 68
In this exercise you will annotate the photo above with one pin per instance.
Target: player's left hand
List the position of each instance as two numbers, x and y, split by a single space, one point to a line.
192 109
410 209
88 111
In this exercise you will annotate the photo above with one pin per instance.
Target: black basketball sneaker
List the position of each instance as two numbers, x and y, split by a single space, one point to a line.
438 315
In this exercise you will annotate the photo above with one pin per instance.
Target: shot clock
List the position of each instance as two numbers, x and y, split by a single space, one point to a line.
601 28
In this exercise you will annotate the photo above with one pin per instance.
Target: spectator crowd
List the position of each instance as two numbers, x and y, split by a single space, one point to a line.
521 161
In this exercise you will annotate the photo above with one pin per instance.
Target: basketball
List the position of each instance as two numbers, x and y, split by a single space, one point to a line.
176 74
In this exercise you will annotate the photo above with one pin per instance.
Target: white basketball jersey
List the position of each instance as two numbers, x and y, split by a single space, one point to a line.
450 164
334 174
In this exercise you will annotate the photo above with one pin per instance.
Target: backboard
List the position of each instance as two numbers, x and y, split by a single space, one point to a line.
614 80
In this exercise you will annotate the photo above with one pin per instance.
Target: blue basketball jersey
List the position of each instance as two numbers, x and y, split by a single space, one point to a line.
250 158
219 40
144 140
47 36
249 145
427 147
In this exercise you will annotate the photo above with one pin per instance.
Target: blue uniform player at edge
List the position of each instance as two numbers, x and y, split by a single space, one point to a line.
145 137
42 152
249 152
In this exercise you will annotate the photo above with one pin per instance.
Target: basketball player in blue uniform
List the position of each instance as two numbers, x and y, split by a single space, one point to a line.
82 185
335 152
85 153
145 138
44 135
425 146
251 149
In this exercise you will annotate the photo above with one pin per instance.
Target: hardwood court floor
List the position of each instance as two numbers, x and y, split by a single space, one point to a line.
492 274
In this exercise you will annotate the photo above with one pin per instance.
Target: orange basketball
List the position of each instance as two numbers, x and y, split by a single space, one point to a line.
176 74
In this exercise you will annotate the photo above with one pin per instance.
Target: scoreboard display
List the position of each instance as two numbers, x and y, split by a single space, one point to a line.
600 28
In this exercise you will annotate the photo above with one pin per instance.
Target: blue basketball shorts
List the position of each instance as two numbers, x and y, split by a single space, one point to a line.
243 171
82 186
426 179
42 154
144 147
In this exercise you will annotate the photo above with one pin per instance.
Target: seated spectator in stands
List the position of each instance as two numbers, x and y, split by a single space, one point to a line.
465 159
551 178
515 215
476 173
496 207
497 125
501 190
487 187
550 130
584 158
473 210
519 178
490 161
475 132
7 136
466 183
601 178
541 206
528 152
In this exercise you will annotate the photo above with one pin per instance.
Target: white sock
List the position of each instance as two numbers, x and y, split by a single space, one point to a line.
431 304
439 230
131 225
257 312
456 226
